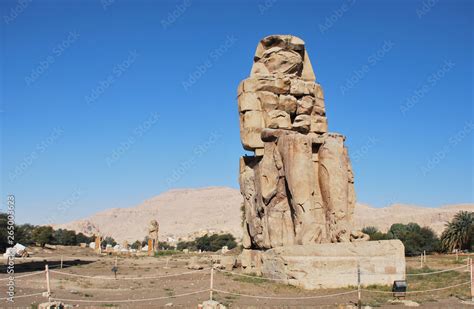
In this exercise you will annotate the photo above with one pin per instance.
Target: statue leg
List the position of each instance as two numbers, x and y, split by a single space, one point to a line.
298 166
333 180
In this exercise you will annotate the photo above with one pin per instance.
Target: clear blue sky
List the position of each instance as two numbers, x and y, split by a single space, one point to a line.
107 103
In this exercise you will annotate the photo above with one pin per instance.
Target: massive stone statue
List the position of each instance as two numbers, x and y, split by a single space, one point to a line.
298 187
153 233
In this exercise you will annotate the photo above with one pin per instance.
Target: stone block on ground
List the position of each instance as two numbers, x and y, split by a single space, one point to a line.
226 262
195 263
211 304
54 305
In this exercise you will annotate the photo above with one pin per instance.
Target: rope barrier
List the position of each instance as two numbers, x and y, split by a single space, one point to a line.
211 289
285 298
346 273
129 300
26 275
437 272
249 276
232 273
422 291
127 278
22 296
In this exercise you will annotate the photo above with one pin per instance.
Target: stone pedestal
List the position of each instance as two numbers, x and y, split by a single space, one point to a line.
335 265
150 251
330 265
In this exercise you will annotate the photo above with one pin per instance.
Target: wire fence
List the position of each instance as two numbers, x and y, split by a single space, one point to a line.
129 300
127 278
24 296
422 291
24 276
286 298
349 273
51 275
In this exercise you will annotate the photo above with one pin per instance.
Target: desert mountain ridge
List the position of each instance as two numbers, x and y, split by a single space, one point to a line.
183 213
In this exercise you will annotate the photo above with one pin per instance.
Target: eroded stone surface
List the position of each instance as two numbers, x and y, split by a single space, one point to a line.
153 234
298 188
335 265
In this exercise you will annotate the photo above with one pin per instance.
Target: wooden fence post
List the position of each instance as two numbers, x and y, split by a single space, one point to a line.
472 279
359 290
48 286
212 283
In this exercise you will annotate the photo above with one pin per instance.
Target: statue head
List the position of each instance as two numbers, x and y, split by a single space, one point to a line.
153 225
282 54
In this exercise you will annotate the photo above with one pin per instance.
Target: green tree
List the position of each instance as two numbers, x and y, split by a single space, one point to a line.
108 241
416 239
215 242
24 234
369 230
190 245
459 233
43 235
3 232
224 240
81 238
136 245
163 245
65 237
399 230
374 233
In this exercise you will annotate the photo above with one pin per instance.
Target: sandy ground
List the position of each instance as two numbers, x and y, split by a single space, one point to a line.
163 279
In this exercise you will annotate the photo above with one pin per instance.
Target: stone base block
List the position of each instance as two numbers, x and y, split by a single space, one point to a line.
333 265
251 261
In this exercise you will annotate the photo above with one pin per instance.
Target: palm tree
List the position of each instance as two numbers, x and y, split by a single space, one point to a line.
370 230
459 233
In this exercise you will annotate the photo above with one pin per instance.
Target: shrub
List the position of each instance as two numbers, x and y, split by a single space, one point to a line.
190 245
374 233
163 245
166 252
